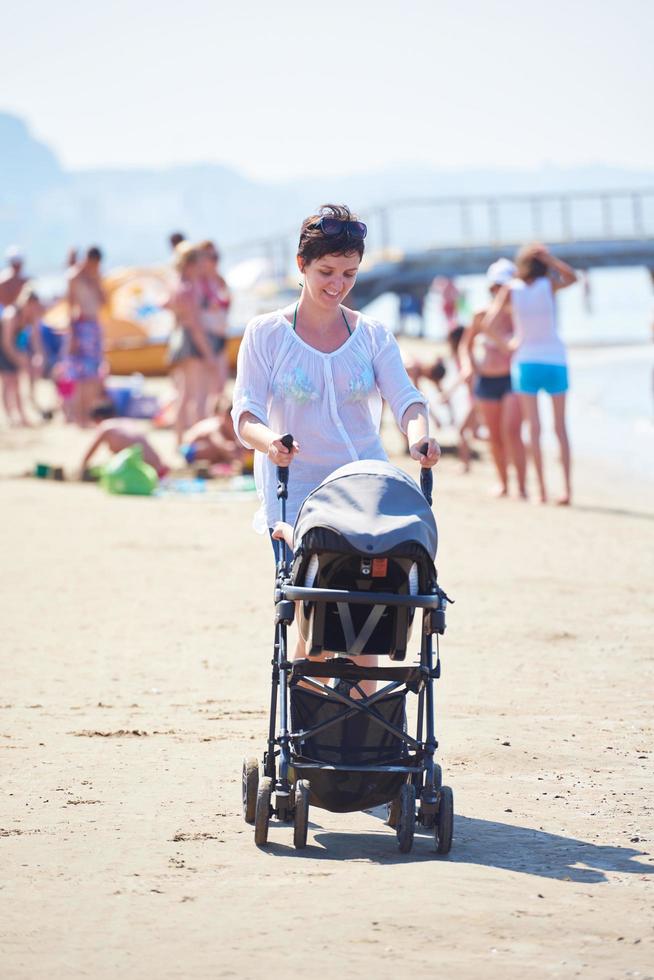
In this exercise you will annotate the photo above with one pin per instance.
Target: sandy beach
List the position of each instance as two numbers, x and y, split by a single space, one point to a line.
135 676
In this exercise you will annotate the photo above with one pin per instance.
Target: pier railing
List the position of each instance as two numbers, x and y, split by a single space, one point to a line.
487 221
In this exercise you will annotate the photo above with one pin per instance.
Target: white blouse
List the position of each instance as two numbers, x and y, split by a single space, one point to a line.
330 403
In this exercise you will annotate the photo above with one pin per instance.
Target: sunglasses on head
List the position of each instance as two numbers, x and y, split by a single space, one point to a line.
336 226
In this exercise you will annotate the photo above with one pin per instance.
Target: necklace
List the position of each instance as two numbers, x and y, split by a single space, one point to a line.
349 332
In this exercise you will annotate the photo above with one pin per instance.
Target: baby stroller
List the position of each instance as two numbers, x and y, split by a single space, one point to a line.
362 567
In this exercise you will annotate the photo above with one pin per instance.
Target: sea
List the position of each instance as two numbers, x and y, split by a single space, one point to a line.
607 323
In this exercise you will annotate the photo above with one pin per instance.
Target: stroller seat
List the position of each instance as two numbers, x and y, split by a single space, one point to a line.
367 528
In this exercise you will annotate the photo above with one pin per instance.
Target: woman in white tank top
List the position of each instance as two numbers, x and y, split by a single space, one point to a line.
539 357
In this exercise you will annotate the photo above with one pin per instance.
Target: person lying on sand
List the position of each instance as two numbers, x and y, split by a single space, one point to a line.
119 434
212 440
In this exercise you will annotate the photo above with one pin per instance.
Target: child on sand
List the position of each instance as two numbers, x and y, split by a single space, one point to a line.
213 440
119 434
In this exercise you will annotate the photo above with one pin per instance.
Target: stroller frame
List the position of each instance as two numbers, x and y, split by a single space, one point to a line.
277 787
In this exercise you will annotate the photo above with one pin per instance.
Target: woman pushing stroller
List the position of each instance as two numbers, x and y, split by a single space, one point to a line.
320 370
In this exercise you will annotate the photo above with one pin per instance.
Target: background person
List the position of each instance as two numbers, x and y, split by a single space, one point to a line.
189 352
176 238
119 434
30 340
490 367
12 279
214 302
84 344
213 440
12 362
539 356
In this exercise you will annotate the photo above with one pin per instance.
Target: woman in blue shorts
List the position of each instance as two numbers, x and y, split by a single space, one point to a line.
539 356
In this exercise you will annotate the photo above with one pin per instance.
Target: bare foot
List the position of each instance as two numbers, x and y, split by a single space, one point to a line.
563 501
499 491
522 494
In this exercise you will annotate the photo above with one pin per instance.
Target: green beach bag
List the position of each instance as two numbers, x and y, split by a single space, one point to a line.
128 473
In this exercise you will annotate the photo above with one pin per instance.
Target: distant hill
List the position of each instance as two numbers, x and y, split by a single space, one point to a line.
130 212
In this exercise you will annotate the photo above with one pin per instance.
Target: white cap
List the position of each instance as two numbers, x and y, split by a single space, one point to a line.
14 253
500 272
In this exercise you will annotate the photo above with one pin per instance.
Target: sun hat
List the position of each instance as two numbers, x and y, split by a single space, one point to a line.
500 272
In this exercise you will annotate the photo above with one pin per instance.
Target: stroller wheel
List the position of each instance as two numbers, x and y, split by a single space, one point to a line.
444 822
301 819
406 824
250 786
262 811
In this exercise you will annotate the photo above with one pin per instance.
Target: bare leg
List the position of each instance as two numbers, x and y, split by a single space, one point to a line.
181 411
87 388
77 403
216 380
512 437
12 400
558 403
20 408
369 660
464 446
196 381
491 412
5 382
529 406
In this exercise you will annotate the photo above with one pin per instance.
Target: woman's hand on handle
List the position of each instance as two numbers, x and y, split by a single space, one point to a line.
415 423
279 454
427 452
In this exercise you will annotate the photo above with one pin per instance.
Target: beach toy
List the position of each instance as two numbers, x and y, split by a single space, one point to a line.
188 451
46 472
128 473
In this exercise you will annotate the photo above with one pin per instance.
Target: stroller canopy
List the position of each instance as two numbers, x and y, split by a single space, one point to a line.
373 505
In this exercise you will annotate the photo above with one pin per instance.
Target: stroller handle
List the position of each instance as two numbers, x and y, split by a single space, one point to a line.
282 471
426 476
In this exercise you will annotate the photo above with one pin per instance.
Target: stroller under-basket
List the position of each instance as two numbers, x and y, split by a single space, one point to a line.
365 541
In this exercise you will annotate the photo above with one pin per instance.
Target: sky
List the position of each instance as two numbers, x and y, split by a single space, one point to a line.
285 90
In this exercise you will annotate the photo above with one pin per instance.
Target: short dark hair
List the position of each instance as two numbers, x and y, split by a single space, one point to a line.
175 238
94 253
314 244
437 371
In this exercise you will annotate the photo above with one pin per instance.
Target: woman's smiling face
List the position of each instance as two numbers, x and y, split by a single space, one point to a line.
330 278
